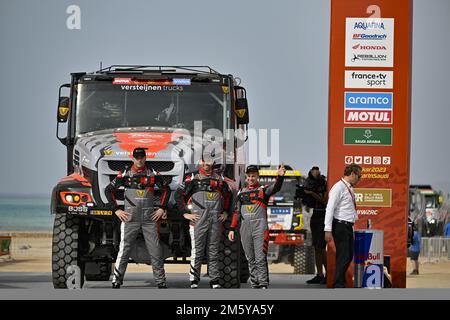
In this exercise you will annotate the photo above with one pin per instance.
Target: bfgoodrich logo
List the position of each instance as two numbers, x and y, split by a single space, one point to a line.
363 36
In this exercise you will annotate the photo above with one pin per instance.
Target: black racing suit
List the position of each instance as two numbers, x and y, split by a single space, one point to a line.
251 212
317 223
208 196
139 198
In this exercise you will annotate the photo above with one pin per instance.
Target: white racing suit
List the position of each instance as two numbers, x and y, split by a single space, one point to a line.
251 212
208 196
139 198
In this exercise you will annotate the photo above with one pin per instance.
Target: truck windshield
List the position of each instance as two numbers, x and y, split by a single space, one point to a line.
104 105
287 190
431 201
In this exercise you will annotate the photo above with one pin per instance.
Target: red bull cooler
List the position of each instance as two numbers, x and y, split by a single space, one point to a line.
369 259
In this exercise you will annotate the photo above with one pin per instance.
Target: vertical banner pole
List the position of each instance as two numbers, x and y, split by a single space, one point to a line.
369 117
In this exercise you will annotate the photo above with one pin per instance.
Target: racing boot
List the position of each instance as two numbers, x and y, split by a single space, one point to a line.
162 285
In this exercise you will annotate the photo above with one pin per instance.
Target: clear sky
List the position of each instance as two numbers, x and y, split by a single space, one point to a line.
278 48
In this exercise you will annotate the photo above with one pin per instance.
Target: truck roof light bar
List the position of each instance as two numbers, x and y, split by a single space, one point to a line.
157 69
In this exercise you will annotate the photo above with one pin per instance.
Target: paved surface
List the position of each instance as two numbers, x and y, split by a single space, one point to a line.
26 280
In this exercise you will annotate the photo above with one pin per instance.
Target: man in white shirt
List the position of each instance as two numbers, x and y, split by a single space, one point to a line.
340 217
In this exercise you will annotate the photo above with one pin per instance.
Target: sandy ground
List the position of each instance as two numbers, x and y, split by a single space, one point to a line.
31 252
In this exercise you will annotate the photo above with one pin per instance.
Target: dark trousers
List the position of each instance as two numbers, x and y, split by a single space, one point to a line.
343 239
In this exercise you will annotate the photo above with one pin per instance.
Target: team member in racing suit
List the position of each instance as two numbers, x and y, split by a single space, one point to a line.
141 213
251 211
203 199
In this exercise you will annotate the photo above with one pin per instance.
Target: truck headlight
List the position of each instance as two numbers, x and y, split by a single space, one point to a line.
75 198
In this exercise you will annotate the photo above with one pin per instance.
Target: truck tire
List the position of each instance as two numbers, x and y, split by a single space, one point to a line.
304 260
65 250
105 270
230 263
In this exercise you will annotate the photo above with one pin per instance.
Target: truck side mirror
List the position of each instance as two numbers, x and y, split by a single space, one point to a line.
241 110
63 113
63 109
241 106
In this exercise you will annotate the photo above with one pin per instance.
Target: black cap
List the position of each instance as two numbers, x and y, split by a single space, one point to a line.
252 169
139 153
315 168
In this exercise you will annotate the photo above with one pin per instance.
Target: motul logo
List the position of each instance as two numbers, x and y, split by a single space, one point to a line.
369 116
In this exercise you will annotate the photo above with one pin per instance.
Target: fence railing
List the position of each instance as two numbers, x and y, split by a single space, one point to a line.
434 249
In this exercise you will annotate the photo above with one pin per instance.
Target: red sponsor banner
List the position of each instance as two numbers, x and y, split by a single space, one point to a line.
370 53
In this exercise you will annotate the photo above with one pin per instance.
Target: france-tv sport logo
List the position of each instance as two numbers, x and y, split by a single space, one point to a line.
368 107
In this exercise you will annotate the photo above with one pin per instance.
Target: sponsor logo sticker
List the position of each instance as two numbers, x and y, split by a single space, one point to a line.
355 79
368 136
362 212
368 197
369 42
211 196
101 212
368 117
368 100
140 193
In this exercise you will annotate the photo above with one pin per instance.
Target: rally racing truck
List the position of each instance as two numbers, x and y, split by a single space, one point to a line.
288 237
102 116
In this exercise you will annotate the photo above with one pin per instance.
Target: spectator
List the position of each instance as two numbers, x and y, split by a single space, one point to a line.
415 251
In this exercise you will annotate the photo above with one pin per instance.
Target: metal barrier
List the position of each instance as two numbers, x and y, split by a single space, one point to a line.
434 249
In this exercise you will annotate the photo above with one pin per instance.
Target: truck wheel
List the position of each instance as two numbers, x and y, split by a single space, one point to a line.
103 271
229 262
65 250
304 260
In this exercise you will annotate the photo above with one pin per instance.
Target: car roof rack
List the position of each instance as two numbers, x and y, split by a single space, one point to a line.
157 69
